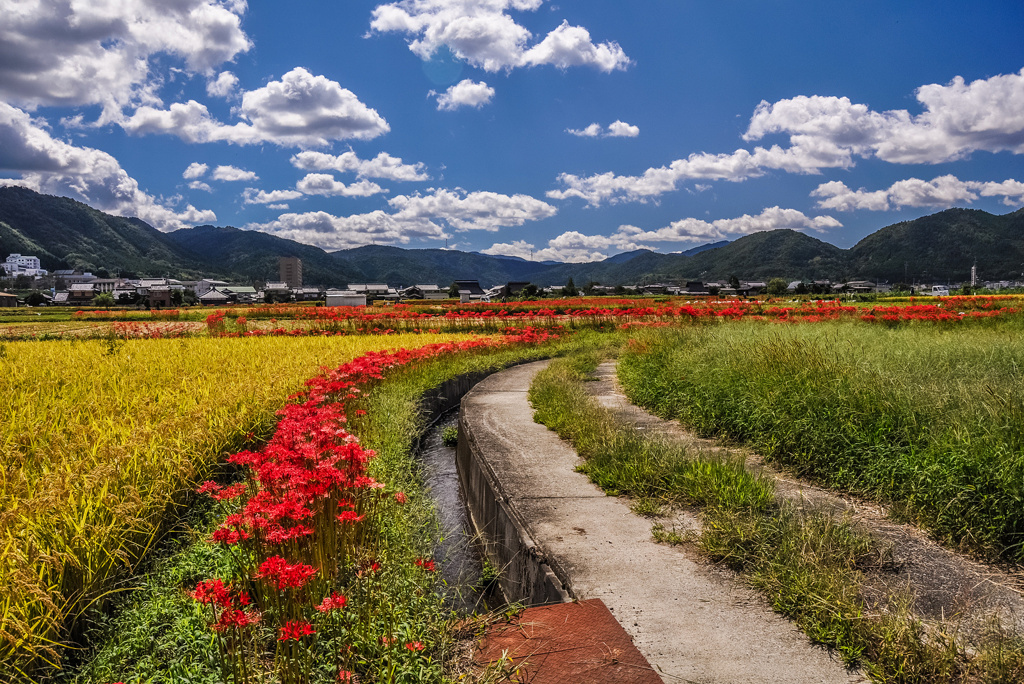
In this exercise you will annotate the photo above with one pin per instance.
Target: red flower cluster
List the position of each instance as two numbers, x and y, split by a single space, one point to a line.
333 602
232 611
310 495
212 591
285 575
295 629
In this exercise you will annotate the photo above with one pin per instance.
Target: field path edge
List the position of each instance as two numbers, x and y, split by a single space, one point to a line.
693 621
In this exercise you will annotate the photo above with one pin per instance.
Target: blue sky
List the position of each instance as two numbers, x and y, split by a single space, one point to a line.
568 131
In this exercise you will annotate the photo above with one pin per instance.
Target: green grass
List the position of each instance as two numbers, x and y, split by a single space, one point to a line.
809 565
926 418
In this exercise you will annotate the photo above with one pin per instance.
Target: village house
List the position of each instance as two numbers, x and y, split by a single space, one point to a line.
345 298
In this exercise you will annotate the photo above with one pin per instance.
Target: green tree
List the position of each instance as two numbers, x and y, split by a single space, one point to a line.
777 286
35 299
734 282
531 291
104 299
570 289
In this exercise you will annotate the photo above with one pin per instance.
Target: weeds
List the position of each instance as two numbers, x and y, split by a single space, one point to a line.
809 565
929 420
450 435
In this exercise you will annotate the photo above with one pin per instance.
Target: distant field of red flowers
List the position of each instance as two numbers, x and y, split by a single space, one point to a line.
575 313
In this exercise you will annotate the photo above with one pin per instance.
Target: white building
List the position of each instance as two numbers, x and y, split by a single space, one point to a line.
346 298
17 264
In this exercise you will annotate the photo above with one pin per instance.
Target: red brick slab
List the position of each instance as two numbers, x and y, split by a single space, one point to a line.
567 643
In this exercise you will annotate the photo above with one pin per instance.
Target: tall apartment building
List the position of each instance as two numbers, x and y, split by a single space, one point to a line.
290 271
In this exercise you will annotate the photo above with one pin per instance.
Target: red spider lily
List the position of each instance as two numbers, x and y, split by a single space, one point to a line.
234 618
368 569
426 564
350 517
212 591
224 535
332 602
231 492
208 486
295 629
284 575
414 646
400 497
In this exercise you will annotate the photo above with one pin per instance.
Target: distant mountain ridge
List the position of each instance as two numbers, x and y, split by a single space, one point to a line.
941 247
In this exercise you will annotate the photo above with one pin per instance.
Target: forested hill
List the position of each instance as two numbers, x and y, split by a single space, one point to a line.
64 233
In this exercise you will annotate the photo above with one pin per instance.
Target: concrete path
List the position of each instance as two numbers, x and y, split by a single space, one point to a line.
692 621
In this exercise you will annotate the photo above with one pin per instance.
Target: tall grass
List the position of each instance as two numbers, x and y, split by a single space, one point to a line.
100 441
808 564
928 419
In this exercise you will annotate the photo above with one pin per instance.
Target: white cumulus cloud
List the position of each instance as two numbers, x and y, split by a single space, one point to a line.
569 46
465 93
382 166
200 185
943 191
233 173
418 216
195 170
300 110
616 129
55 167
224 85
698 230
569 247
69 52
326 185
621 129
958 120
482 33
342 232
472 211
254 196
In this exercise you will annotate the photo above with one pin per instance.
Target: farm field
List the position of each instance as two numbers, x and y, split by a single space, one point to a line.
571 313
100 440
926 417
104 435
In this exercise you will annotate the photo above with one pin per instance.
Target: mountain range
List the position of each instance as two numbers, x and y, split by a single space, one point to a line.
941 247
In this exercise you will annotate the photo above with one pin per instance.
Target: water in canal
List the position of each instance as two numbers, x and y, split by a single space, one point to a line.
456 553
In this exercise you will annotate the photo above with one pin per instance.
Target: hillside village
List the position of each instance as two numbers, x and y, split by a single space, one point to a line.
67 287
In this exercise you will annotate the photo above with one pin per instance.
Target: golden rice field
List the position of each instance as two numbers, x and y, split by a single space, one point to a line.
100 438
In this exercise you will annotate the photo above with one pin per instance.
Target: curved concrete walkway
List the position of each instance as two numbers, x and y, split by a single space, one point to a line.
692 621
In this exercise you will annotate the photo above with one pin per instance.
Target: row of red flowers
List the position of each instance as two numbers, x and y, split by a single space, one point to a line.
305 539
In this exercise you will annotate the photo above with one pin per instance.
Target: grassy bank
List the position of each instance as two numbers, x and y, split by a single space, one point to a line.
928 418
810 566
